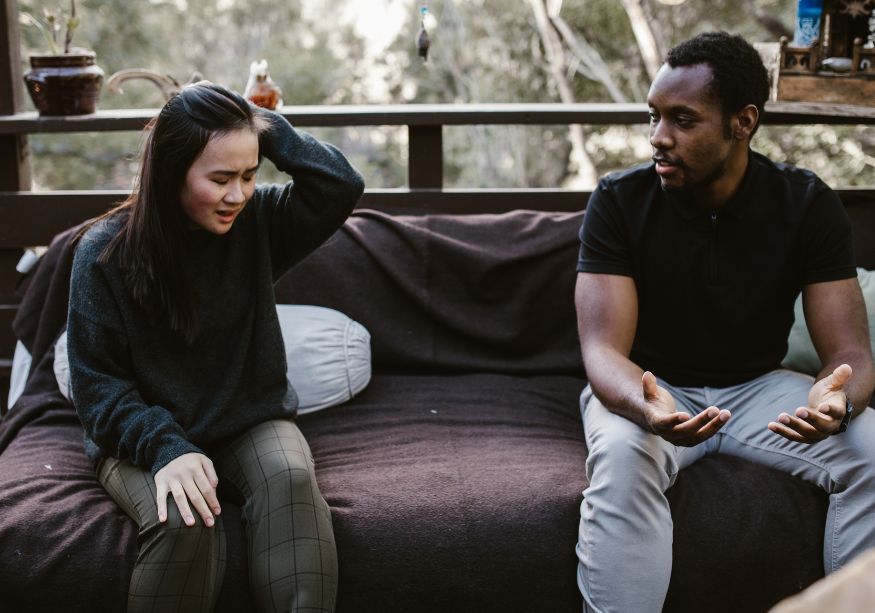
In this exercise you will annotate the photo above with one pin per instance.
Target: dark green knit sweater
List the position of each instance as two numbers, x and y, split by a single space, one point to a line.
140 391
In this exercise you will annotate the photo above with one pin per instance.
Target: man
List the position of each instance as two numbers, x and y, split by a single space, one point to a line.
689 268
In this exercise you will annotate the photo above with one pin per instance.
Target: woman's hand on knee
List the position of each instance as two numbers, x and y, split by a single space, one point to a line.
190 477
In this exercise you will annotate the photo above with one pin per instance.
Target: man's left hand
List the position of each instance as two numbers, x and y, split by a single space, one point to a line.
827 403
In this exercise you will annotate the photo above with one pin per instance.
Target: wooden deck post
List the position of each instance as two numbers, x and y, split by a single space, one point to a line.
14 154
14 176
426 157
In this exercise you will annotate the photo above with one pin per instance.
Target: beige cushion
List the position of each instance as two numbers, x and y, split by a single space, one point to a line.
850 590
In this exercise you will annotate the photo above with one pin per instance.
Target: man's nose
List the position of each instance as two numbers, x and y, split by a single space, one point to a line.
660 136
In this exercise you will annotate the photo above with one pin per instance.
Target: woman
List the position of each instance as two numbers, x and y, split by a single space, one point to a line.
177 366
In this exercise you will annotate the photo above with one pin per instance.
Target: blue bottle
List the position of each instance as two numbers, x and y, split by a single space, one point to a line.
808 17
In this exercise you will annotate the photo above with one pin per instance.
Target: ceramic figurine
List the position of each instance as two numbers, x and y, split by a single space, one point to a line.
260 89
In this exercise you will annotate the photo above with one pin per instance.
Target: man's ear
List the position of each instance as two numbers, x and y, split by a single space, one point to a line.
744 122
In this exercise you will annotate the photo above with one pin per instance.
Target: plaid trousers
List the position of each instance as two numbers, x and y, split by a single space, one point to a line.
292 555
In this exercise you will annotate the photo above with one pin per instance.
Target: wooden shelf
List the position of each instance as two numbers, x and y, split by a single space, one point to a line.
829 90
821 112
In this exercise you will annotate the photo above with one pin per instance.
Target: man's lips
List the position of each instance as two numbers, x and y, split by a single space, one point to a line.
666 166
664 161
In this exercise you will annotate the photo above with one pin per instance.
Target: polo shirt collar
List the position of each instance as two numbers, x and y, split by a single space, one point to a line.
738 206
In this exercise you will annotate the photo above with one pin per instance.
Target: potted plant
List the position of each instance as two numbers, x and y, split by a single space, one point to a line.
64 81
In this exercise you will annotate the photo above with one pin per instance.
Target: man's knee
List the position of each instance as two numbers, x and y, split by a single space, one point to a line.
615 438
642 455
619 448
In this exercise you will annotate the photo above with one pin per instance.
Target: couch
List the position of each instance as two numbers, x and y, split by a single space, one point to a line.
454 479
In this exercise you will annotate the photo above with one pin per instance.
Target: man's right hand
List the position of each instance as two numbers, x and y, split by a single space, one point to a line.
190 477
675 426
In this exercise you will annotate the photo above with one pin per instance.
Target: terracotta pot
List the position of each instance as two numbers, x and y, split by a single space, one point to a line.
64 84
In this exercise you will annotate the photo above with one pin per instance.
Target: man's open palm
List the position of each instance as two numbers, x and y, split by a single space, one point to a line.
824 413
675 426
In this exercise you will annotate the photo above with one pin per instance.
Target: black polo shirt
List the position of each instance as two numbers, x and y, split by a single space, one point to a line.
716 288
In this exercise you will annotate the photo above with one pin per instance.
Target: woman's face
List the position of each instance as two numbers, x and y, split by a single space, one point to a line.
221 180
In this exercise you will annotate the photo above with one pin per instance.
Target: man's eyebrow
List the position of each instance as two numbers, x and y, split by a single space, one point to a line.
683 109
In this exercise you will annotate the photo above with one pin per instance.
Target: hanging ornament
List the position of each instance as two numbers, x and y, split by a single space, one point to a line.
422 42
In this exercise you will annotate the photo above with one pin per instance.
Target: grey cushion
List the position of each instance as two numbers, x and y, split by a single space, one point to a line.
801 355
328 356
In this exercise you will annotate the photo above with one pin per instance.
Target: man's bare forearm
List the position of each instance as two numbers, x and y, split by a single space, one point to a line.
616 382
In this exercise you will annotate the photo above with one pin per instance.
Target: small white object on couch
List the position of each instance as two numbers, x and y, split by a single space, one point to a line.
328 356
21 361
61 365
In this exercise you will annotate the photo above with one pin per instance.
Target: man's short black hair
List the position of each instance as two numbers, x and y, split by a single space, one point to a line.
740 78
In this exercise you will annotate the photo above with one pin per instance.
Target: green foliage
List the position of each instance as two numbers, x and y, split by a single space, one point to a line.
52 23
481 51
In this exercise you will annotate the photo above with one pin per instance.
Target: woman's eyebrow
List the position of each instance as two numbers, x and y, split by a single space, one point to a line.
231 173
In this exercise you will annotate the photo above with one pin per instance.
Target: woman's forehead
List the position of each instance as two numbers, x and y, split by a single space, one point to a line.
235 148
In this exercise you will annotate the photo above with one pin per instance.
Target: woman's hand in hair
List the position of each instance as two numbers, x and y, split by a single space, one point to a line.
266 124
190 477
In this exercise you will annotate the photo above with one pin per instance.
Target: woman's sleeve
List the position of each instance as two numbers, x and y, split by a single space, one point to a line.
324 189
104 393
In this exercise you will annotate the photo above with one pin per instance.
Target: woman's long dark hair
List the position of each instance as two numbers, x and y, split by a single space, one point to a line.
150 247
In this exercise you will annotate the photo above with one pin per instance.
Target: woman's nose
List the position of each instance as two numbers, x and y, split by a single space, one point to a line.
235 194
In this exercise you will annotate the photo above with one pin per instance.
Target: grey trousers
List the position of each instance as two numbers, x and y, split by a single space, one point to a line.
292 555
625 539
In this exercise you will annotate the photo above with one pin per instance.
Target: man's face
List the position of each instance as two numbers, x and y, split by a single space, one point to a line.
688 132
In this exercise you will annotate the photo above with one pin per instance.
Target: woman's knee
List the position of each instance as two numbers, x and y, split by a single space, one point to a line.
288 471
174 529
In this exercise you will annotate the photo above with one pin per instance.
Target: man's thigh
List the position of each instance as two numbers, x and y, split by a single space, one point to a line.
755 403
828 463
609 434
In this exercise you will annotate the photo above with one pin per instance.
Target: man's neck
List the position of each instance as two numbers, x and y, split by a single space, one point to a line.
721 190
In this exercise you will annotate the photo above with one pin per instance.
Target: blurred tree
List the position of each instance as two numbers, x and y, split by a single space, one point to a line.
487 50
217 38
347 52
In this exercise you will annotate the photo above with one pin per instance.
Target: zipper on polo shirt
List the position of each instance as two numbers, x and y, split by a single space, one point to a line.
713 249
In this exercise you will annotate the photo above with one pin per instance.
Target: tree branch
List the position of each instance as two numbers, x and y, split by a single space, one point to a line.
580 163
596 69
644 35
